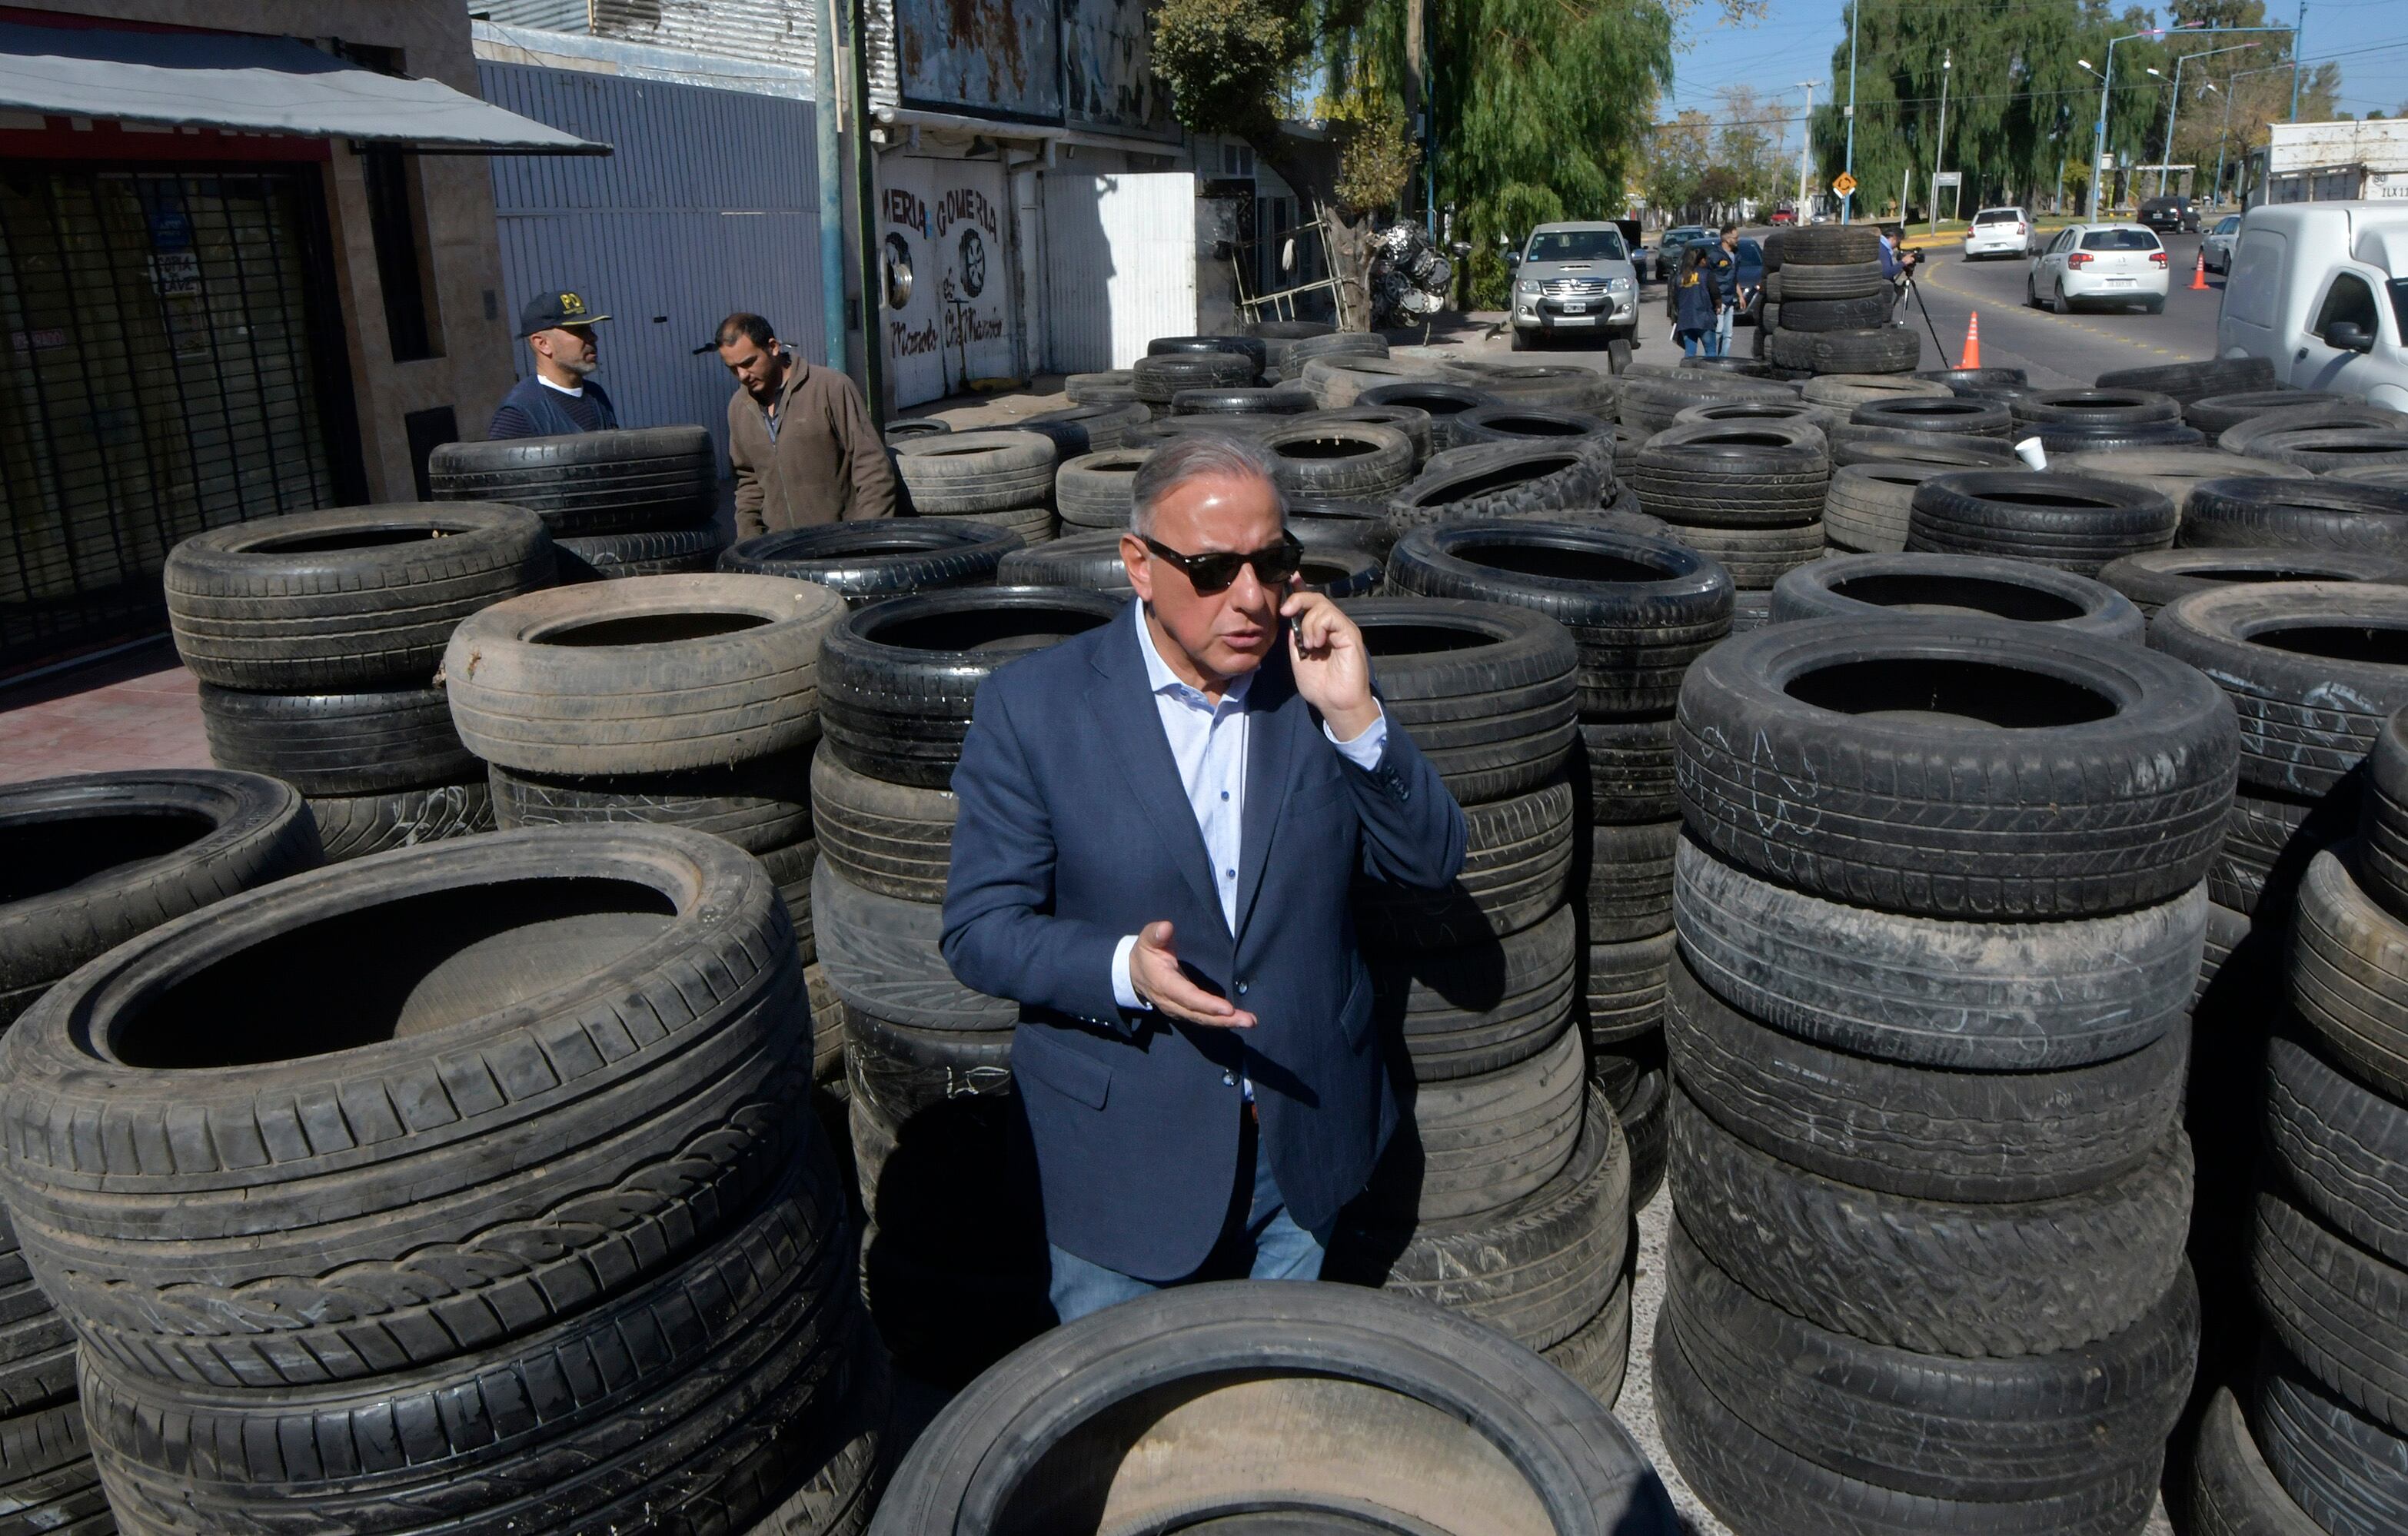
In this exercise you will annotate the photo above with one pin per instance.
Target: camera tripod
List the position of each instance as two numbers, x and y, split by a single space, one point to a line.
1911 288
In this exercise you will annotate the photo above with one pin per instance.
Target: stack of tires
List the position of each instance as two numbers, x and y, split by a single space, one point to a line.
1649 399
496 1211
1217 362
632 502
2315 669
316 636
2073 421
1940 925
2075 522
1640 610
2321 1445
98 859
954 1258
1293 357
871 561
1280 337
1004 479
1749 493
2191 383
679 700
1833 313
1085 429
1507 1194
1098 490
1318 457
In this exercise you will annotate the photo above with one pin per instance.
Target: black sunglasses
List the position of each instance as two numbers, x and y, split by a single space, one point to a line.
1214 573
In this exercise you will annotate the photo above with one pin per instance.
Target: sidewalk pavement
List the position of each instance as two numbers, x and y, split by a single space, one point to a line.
139 709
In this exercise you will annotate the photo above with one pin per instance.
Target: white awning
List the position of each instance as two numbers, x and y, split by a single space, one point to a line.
252 84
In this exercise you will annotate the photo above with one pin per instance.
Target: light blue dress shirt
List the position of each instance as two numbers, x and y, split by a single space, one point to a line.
1208 742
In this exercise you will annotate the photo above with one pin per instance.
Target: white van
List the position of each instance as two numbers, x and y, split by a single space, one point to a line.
2320 290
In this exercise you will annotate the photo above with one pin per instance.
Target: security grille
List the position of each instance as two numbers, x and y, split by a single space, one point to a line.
159 377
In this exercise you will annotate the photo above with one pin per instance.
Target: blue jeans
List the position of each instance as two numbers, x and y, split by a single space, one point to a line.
1719 343
1691 342
1268 1238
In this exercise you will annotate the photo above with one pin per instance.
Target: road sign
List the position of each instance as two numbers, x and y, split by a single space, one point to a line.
1947 178
1843 183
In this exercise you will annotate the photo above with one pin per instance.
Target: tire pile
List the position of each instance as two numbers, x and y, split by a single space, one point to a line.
676 701
463 1189
1000 479
1640 610
1508 1195
1749 493
953 1258
2313 668
870 560
1827 306
2316 1438
637 501
98 859
316 636
1940 925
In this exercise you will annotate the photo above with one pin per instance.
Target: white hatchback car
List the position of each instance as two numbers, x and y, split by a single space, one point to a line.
2102 264
1998 232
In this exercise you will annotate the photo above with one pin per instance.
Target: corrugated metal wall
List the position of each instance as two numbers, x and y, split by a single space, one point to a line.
710 204
1130 239
782 31
549 15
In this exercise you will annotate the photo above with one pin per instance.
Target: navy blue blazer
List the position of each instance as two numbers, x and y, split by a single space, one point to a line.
1074 830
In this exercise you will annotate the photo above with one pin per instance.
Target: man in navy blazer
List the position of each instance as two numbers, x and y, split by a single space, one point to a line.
1160 822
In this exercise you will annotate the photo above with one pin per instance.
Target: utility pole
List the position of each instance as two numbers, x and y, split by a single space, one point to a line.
1416 96
1948 65
2297 28
825 91
1805 142
1848 163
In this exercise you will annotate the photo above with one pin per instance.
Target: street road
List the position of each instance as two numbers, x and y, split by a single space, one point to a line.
2059 352
2055 351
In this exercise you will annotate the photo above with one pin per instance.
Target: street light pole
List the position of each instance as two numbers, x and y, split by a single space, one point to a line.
1848 163
1947 62
1805 143
2176 106
2106 82
2224 137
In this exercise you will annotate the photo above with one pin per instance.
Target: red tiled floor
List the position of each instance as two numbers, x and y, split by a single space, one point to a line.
140 709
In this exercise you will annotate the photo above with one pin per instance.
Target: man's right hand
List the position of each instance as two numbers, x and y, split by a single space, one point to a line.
1155 976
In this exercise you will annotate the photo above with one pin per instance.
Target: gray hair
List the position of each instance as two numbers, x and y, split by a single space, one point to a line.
1197 456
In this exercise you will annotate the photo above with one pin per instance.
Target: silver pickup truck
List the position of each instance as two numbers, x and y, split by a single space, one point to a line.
1575 279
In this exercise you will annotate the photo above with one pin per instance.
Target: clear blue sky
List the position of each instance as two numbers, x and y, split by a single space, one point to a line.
2368 38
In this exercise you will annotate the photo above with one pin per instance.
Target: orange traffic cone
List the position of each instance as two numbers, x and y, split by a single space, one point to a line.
2198 273
1972 358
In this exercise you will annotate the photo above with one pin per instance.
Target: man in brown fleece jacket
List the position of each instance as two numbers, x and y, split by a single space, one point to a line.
800 438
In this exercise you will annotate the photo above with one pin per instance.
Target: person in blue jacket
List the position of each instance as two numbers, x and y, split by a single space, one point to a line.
1161 823
560 396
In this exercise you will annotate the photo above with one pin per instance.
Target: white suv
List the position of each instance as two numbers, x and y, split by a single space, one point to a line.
1998 232
2100 264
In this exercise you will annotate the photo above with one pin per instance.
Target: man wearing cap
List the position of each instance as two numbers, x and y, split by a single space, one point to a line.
799 439
560 396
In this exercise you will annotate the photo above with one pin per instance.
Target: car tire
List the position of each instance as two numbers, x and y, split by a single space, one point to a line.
2075 523
339 743
1470 1144
1870 586
2346 1472
758 804
622 480
2339 1309
1802 793
1490 693
1318 457
1495 479
353 827
130 850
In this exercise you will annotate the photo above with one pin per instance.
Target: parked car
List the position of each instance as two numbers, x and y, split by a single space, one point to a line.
2218 246
1575 279
2320 290
1784 216
1998 232
2167 214
2099 265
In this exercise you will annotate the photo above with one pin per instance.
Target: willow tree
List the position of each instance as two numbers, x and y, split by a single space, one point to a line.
1538 106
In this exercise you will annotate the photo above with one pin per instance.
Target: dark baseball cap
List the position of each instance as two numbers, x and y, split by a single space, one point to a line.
559 306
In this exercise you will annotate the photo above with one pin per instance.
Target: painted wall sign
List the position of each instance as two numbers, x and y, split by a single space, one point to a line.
955 322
